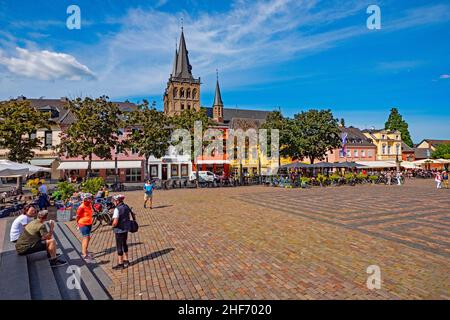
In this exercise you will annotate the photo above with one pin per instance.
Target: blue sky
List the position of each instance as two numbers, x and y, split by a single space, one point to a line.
290 54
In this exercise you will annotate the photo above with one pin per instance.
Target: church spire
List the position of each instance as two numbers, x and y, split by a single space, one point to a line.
174 70
217 96
218 103
183 68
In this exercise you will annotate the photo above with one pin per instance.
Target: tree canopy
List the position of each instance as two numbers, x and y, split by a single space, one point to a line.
442 151
396 122
151 134
95 131
310 135
18 125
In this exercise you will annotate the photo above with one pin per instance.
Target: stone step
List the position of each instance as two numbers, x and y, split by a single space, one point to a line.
93 279
14 282
43 284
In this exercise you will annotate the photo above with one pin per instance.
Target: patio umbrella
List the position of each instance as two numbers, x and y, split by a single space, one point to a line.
13 169
347 165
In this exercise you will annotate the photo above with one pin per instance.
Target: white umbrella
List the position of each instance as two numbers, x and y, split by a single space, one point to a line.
13 169
426 161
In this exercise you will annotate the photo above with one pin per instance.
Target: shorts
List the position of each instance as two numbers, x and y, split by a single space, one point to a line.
39 246
148 196
85 231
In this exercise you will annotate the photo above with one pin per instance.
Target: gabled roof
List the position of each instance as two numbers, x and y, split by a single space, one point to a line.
355 137
406 148
434 142
422 153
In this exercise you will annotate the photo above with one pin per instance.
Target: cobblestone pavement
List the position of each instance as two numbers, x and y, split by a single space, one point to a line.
272 243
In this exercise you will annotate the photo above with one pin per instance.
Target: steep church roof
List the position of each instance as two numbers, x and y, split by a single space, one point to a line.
183 68
218 96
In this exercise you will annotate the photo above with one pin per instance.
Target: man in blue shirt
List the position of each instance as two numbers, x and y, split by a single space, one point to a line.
148 193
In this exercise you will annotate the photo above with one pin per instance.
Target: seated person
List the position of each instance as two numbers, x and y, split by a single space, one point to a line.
35 237
29 213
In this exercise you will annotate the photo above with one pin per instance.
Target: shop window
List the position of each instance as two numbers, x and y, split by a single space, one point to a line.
363 153
133 175
153 170
48 139
174 170
184 170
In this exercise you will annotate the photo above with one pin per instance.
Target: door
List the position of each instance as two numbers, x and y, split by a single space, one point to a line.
164 172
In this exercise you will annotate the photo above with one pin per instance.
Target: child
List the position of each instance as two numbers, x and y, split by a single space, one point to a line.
148 193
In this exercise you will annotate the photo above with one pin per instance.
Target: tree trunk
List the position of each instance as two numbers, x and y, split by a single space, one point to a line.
89 168
146 171
19 184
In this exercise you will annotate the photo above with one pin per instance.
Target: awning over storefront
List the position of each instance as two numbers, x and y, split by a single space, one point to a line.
79 165
42 162
376 164
212 161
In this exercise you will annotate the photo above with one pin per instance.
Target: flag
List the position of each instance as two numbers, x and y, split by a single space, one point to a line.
344 144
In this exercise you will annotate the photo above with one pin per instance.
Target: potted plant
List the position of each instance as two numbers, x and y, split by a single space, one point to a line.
322 179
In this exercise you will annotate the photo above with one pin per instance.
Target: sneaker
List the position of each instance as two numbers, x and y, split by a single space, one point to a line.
126 264
57 263
88 259
118 267
145 207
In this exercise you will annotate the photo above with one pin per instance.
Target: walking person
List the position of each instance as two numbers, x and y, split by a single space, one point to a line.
389 177
445 179
399 178
438 180
84 223
43 196
148 193
121 227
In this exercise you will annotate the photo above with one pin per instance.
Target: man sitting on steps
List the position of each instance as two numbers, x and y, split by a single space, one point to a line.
35 237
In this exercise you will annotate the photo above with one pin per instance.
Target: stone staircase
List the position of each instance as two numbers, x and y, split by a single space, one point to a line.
31 277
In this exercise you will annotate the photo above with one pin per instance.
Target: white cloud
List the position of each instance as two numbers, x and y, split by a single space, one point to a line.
245 43
46 65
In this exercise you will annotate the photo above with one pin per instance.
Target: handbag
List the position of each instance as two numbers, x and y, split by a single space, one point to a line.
134 226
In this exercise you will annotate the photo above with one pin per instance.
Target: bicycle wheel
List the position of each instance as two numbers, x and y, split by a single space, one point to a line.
107 218
96 223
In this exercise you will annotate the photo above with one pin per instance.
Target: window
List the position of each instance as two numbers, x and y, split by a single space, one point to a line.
154 170
363 153
389 150
194 93
383 137
174 170
341 153
188 93
33 135
182 106
48 139
184 170
189 107
369 153
181 93
175 92
133 175
356 153
383 151
397 149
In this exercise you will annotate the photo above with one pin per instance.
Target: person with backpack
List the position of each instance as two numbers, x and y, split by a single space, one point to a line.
122 224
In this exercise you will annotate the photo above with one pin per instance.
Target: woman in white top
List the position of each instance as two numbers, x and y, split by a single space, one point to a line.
28 215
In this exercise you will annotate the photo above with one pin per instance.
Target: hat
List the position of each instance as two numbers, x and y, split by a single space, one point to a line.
86 196
119 197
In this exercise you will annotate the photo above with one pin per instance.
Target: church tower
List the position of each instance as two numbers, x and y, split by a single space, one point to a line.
218 104
183 90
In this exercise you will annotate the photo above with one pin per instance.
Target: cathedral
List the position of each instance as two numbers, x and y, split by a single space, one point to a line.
183 93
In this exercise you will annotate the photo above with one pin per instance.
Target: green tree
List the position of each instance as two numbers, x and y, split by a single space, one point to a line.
396 122
275 120
95 131
442 151
151 136
18 123
186 120
311 134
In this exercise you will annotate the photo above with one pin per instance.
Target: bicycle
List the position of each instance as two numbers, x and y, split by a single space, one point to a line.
102 215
